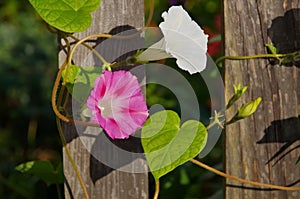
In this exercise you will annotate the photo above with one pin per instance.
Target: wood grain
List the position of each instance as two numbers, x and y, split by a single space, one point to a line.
102 181
264 147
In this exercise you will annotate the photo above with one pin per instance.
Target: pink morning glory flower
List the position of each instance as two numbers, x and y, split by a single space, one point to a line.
117 104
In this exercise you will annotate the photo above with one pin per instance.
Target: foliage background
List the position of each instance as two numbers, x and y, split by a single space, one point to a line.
28 65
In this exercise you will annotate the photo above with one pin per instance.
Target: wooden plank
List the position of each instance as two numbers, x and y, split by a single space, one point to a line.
263 148
100 180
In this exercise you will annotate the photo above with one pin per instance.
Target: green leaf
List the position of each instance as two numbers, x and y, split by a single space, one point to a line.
80 80
72 74
271 48
167 145
43 170
66 15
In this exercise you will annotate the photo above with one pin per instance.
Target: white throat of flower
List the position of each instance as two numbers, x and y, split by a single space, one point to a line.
155 52
105 106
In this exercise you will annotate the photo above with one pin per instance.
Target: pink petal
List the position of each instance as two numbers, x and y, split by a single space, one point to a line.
119 94
113 129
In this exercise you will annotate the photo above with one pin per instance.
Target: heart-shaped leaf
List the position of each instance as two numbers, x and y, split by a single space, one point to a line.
66 15
167 145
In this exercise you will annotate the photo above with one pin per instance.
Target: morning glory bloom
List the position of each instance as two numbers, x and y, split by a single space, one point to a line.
117 104
183 39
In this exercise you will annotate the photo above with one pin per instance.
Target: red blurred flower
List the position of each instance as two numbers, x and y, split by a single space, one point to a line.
214 47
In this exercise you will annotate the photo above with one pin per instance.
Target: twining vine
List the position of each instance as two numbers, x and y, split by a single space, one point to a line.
100 112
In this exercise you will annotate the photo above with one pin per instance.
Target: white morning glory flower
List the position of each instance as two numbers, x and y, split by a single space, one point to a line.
183 39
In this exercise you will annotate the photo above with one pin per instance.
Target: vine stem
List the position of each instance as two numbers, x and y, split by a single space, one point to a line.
70 56
249 57
63 140
211 125
220 173
60 116
91 49
54 105
54 93
62 137
156 193
82 41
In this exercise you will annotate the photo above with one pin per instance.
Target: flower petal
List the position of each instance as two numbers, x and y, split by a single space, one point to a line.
185 40
156 51
118 104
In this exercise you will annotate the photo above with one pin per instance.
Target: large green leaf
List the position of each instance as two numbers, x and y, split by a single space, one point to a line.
43 170
167 145
66 15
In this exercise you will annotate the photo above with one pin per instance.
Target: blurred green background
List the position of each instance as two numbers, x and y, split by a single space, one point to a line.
28 65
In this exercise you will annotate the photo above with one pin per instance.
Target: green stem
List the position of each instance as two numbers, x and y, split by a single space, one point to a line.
62 137
130 61
250 57
282 58
211 125
64 142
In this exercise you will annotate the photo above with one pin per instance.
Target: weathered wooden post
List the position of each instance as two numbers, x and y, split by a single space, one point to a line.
100 180
263 148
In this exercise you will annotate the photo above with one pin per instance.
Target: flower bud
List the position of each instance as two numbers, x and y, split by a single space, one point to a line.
238 92
248 109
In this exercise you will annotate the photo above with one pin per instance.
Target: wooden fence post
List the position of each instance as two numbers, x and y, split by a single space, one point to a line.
263 148
100 180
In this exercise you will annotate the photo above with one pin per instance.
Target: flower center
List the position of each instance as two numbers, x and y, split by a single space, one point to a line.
105 105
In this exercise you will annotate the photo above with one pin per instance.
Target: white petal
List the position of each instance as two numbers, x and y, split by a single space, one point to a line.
155 52
184 39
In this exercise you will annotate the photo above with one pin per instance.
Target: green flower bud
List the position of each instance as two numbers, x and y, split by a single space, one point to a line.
248 109
238 92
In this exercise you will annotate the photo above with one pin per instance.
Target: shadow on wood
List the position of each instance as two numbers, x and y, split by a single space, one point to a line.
285 33
285 131
112 151
116 50
102 148
259 189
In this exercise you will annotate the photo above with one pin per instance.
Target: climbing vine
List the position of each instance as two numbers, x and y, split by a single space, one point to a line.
120 109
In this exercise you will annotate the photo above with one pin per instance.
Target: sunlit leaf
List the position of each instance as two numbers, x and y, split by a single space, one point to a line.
271 48
66 15
167 145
